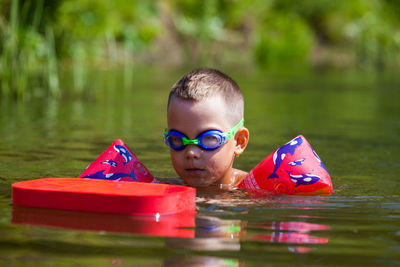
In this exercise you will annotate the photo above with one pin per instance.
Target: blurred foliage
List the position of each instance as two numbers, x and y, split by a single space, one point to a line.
39 38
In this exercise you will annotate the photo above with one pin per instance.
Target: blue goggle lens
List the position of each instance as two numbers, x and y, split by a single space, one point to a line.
174 140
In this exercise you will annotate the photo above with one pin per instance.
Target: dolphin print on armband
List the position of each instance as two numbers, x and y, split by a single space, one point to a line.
304 179
281 152
109 162
124 153
111 176
297 162
319 160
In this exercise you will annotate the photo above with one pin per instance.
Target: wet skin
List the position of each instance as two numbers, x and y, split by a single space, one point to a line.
198 167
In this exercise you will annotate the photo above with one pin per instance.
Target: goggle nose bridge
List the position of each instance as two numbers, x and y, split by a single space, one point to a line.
187 141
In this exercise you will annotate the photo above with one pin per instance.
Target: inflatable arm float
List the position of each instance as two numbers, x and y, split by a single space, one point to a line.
118 162
293 169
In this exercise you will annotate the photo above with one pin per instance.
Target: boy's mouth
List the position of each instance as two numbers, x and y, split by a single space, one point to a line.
194 170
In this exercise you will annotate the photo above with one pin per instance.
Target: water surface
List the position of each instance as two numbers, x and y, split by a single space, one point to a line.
352 121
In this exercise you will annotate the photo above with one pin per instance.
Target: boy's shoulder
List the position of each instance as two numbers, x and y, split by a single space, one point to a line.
238 175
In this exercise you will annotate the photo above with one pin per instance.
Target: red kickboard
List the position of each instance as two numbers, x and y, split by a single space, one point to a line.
92 195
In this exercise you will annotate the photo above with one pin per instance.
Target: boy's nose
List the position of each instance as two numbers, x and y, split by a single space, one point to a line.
192 151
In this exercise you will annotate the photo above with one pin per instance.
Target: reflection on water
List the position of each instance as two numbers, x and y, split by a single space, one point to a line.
351 121
182 231
177 225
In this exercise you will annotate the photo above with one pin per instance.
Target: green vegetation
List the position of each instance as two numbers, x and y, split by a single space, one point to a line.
41 40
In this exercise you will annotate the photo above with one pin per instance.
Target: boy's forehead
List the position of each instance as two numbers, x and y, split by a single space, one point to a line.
203 106
211 109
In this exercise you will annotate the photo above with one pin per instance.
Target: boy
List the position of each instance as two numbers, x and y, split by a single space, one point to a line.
205 128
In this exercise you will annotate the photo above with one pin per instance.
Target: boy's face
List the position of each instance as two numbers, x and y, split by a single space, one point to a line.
198 167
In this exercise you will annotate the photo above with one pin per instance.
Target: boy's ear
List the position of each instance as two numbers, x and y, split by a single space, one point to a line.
242 138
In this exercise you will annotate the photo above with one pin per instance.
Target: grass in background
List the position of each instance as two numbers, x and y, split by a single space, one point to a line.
41 39
28 62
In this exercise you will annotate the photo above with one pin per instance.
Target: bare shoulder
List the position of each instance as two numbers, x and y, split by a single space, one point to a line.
239 175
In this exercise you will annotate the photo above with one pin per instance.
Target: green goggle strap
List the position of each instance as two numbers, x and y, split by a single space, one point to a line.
231 133
228 135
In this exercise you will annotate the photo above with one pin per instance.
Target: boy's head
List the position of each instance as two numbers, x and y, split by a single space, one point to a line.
200 84
204 108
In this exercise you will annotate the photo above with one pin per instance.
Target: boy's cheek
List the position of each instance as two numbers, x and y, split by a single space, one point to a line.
176 161
174 156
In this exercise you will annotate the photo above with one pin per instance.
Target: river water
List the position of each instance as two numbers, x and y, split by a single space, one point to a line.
351 120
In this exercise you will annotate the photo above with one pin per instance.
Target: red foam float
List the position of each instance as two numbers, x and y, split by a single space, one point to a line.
92 195
294 168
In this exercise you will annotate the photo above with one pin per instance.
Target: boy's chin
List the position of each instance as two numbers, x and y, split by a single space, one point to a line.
198 182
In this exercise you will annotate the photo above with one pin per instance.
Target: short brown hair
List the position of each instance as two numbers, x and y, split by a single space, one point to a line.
202 83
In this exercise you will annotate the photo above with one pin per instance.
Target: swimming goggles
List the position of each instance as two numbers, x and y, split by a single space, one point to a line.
208 140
